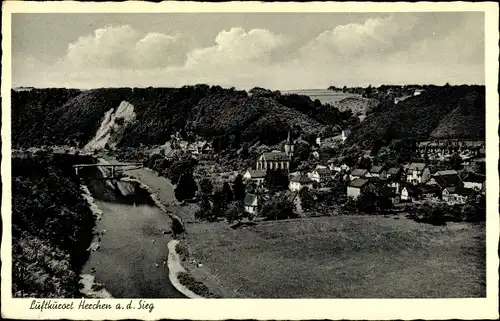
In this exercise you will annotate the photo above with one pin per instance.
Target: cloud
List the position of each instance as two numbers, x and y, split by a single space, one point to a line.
396 48
237 46
124 47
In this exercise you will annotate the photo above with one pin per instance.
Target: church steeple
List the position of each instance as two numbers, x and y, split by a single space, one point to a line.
289 146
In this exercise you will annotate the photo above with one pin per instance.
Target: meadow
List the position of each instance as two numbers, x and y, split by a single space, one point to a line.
343 257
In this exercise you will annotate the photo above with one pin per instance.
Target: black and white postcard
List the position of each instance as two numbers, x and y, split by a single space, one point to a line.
249 160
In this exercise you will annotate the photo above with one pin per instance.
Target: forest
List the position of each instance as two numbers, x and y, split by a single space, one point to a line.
51 229
233 117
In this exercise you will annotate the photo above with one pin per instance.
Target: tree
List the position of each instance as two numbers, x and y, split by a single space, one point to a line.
205 208
456 161
367 202
239 188
186 188
179 167
276 180
306 199
278 208
236 212
228 193
206 187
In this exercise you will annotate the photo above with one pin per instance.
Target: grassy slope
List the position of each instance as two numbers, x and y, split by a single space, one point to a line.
344 257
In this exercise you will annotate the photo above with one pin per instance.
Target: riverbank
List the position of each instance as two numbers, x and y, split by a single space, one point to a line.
175 268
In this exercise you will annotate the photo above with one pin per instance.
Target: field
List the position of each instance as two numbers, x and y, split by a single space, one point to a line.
342 257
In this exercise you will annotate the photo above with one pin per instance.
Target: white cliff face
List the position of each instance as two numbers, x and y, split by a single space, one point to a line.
109 125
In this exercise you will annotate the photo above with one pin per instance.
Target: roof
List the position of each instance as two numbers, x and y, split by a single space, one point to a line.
393 170
250 199
474 178
292 196
323 171
358 182
446 172
276 156
460 190
359 172
416 166
301 179
377 169
430 188
257 173
448 180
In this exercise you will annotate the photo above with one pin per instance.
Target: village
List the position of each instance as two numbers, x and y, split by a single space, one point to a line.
446 172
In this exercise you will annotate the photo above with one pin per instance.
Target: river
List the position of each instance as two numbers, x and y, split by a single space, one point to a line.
130 248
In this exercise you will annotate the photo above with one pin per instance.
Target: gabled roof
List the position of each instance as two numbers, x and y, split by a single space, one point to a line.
377 169
358 182
301 179
257 173
359 172
448 180
416 166
292 196
250 199
276 156
323 171
446 172
430 188
474 178
393 170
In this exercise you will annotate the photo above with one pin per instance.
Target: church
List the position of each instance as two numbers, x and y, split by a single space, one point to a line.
275 159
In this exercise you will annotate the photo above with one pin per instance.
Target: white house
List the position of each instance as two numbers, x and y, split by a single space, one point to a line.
456 195
299 182
339 168
357 186
418 173
409 193
251 203
320 174
256 175
474 181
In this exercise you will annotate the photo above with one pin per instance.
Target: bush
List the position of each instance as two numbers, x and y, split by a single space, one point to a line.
194 285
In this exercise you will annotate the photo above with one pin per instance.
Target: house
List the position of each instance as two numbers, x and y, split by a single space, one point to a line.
378 171
256 175
172 154
445 179
273 160
299 182
295 199
394 182
430 191
251 203
457 195
339 168
394 173
418 173
318 141
410 193
474 181
358 186
345 134
358 173
320 174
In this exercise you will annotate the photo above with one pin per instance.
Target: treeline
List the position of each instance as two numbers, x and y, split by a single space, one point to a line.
417 117
233 118
51 230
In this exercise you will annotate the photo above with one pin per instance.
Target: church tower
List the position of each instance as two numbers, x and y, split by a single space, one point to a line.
289 146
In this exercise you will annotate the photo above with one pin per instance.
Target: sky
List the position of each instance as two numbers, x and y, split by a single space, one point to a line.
279 51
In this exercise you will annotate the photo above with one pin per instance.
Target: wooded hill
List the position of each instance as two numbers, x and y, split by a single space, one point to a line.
446 112
71 117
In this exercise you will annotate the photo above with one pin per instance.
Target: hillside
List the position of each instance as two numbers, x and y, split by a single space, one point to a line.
440 112
74 117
